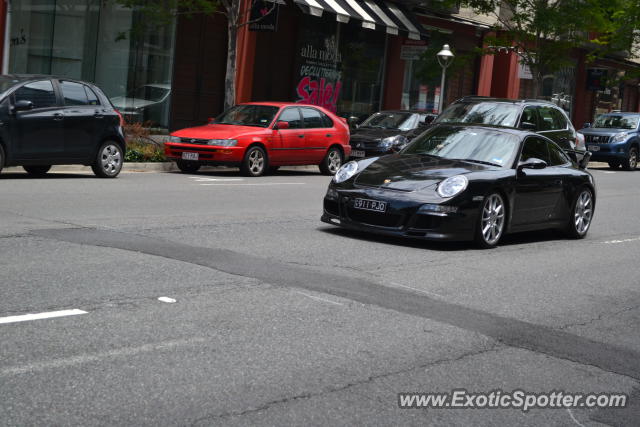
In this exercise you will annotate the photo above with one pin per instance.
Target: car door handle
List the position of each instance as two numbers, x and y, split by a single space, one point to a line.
328 135
558 182
301 136
58 116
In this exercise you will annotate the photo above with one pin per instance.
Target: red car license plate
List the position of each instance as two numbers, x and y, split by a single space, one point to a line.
370 205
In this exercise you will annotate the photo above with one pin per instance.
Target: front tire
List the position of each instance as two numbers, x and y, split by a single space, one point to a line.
187 166
491 221
108 163
39 170
331 162
631 161
255 162
581 214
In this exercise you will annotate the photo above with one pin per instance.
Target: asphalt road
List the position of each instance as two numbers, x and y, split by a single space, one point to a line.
280 319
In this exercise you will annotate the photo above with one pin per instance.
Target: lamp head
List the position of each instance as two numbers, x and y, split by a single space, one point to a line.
445 56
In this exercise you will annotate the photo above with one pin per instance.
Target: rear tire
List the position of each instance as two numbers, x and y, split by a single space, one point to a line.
108 162
631 161
492 220
255 162
581 214
614 165
331 162
39 170
187 166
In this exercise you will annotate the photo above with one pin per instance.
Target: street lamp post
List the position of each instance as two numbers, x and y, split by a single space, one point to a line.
445 58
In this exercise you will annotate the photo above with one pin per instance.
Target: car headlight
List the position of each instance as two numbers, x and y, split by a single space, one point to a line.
619 137
392 141
174 138
452 186
223 142
346 171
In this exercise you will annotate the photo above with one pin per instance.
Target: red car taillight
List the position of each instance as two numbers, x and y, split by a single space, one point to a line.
121 118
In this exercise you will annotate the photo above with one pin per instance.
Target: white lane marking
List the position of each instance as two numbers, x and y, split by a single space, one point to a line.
38 316
200 179
166 299
95 357
574 418
634 239
263 183
417 290
319 299
607 172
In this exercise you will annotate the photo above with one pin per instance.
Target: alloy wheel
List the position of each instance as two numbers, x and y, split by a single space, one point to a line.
334 161
256 162
633 159
492 222
111 159
583 212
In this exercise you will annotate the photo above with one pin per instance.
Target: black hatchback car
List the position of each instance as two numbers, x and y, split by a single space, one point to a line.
47 121
542 117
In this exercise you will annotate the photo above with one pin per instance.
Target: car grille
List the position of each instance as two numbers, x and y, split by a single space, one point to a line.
596 139
194 141
426 222
375 218
331 206
360 144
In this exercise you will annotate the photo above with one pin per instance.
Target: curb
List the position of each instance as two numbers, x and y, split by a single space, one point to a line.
152 167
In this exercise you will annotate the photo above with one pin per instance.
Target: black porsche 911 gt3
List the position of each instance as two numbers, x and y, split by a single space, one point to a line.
461 182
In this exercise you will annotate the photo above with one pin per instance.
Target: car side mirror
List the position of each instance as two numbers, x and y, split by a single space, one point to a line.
586 125
23 105
582 164
353 122
281 125
528 126
532 163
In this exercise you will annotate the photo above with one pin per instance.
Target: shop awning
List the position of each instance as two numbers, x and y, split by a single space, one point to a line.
373 13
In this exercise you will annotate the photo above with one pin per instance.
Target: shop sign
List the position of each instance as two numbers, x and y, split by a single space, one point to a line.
264 16
411 50
596 79
524 72
319 73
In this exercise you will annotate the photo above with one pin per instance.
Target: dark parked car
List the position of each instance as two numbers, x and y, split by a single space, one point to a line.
533 115
614 138
52 121
387 132
459 182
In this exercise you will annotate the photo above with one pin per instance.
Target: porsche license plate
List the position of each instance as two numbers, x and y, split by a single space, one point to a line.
593 148
189 156
357 153
370 205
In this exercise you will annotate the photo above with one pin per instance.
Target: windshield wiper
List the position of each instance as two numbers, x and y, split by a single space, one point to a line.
482 162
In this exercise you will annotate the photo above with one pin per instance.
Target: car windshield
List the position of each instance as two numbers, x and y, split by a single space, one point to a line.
389 120
487 113
248 115
619 121
150 93
486 146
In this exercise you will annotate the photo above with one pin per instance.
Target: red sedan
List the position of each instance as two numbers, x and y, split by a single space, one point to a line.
259 137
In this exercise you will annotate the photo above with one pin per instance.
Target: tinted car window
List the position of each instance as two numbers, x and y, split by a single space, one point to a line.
529 116
535 148
73 93
291 116
91 96
328 123
40 93
548 120
312 118
556 155
559 119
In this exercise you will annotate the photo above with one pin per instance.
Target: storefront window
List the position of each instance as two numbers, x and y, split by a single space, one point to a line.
339 66
101 42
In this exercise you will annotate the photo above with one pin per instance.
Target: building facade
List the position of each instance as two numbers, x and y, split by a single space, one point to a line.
354 57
